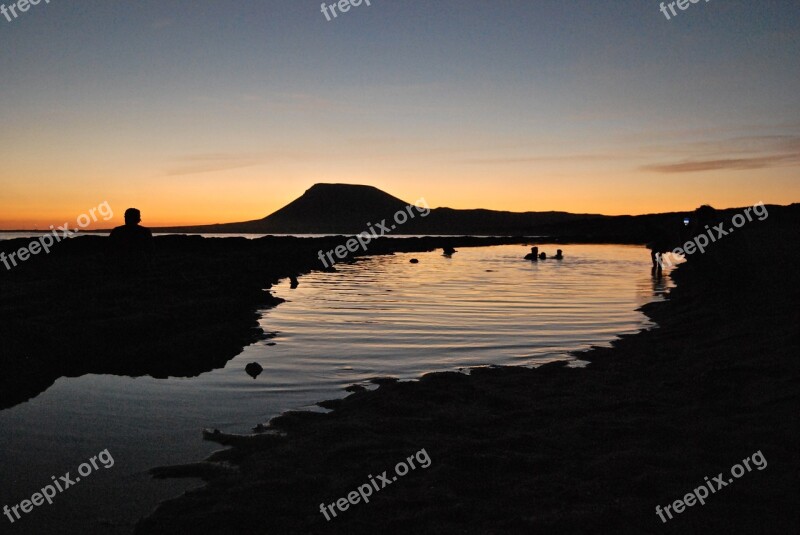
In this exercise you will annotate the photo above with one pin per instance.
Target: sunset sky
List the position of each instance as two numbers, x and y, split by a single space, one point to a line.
210 111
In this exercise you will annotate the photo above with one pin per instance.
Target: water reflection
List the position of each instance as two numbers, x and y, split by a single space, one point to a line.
381 316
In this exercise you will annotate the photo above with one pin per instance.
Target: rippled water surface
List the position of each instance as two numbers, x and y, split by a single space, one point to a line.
380 316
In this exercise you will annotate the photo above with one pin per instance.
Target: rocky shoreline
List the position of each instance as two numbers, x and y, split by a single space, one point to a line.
552 449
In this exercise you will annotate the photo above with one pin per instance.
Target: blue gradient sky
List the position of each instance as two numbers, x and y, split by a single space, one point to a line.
209 111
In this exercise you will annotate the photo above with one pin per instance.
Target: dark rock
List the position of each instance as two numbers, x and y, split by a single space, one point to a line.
254 369
383 380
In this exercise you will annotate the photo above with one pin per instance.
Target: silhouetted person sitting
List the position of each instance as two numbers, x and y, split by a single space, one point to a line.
132 244
533 255
543 256
132 237
559 255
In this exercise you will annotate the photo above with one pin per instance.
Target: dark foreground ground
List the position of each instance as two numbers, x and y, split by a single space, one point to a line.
187 310
555 449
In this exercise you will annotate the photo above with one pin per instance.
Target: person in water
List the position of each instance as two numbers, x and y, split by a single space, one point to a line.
660 243
543 256
533 255
559 255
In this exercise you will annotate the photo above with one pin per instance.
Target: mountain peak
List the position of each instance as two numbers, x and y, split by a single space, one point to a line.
322 186
350 191
340 208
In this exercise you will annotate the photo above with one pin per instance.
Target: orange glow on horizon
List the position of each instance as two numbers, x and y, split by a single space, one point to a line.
249 193
167 205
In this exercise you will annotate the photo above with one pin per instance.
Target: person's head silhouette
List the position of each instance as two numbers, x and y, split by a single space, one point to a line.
132 216
131 240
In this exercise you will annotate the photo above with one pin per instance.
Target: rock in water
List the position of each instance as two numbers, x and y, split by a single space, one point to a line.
253 369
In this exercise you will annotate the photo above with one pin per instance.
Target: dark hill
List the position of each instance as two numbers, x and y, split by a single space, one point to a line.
490 222
322 209
349 208
334 208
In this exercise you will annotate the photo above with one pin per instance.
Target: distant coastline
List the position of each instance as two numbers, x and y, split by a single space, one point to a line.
344 209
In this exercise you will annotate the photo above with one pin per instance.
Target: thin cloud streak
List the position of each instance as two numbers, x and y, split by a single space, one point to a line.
213 162
731 164
756 152
206 163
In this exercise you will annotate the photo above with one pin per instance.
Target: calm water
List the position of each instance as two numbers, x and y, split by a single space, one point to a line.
379 317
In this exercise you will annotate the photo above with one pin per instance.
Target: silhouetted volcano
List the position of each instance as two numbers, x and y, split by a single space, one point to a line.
334 208
349 208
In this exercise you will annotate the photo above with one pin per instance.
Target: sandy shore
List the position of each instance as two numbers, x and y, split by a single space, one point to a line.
555 449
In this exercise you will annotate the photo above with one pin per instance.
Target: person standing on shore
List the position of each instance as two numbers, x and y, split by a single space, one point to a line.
659 244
